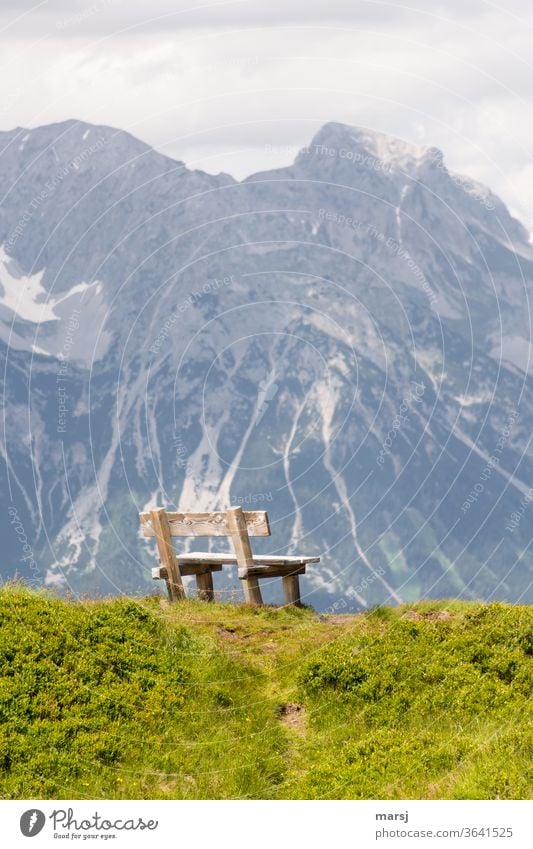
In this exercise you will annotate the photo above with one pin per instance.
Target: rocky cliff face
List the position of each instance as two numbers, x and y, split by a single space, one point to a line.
345 342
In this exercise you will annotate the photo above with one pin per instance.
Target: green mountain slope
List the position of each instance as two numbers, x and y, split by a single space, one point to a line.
135 699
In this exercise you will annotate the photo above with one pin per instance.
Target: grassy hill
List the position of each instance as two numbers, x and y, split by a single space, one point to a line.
136 699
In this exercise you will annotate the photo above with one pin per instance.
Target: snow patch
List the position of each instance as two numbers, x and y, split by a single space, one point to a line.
22 145
515 349
388 149
26 296
469 400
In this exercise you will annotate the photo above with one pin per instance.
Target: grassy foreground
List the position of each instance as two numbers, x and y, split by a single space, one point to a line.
135 699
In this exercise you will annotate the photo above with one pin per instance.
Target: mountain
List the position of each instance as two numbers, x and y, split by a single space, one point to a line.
345 342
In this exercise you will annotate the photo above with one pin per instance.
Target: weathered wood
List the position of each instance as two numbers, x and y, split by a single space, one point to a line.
268 570
204 585
209 557
239 525
166 553
199 568
208 524
274 570
243 551
291 589
188 569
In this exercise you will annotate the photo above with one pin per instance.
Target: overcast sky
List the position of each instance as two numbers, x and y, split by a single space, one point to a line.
240 85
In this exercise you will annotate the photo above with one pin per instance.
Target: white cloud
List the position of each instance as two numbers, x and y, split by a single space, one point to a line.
237 86
113 15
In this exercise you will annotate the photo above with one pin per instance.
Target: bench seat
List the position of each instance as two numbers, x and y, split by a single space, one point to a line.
230 559
265 566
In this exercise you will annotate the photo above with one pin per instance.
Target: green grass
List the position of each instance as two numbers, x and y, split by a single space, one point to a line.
137 699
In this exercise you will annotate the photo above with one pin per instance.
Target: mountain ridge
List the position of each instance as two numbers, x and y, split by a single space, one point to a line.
173 296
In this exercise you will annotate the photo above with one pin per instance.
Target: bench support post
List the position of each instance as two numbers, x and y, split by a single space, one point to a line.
291 590
204 585
167 554
243 553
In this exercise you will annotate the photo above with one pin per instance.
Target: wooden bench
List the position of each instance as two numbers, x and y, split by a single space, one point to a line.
235 523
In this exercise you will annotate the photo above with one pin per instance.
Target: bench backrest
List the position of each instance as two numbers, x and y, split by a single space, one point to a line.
210 524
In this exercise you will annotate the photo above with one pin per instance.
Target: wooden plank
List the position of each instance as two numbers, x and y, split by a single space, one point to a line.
166 554
291 589
200 568
268 571
239 535
204 585
230 559
208 524
192 569
274 571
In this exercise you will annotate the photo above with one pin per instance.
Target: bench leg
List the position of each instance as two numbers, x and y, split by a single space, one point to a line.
291 589
252 591
166 554
243 550
204 585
